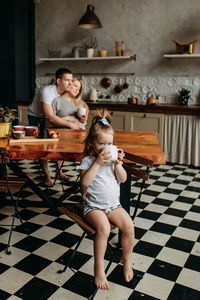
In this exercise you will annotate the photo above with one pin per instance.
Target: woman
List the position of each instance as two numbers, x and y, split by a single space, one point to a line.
66 106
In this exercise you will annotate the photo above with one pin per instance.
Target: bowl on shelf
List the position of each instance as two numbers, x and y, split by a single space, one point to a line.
103 53
54 53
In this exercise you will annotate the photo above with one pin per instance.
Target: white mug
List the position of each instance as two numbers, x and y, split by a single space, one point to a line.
81 111
113 151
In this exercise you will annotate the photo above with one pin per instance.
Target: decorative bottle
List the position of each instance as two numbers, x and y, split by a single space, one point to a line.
123 51
117 50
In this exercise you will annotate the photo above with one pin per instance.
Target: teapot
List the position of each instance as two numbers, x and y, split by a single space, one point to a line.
152 98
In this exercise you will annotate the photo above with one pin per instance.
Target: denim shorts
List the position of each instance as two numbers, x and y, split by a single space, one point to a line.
88 209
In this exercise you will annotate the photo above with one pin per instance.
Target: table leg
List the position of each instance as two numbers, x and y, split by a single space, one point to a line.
43 196
3 170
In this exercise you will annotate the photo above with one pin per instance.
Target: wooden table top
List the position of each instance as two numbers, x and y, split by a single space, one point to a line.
71 144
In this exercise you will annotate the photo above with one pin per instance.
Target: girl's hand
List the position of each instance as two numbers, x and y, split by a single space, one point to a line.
103 157
120 157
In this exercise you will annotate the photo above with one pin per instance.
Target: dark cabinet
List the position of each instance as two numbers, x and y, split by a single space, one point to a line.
17 52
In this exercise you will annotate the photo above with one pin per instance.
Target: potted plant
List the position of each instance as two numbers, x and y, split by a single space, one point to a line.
184 96
7 115
90 46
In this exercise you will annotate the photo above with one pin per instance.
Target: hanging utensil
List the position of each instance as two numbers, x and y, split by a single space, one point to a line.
105 82
125 85
118 88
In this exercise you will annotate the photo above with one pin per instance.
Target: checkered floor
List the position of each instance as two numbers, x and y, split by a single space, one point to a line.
166 257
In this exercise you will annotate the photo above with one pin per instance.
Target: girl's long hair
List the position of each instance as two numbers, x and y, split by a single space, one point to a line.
100 122
78 99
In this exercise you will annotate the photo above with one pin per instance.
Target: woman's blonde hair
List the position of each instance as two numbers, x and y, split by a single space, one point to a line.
78 98
100 122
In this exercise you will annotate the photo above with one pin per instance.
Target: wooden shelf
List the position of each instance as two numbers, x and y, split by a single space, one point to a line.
182 55
88 58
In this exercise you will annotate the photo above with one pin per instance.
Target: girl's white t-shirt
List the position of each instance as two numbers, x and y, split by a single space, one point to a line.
104 191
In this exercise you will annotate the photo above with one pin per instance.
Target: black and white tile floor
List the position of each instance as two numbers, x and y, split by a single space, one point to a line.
166 257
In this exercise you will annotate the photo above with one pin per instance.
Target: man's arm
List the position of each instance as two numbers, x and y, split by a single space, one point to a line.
57 121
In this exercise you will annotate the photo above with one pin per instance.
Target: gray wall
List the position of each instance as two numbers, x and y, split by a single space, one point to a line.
147 26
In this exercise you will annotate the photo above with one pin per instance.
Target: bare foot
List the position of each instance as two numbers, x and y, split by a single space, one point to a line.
63 176
128 269
101 280
48 182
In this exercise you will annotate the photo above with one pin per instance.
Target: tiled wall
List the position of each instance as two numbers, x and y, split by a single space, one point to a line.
166 87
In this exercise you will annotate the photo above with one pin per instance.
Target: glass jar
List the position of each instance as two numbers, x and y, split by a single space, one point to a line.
123 51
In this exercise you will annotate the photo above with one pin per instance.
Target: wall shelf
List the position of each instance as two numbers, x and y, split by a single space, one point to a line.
184 55
88 58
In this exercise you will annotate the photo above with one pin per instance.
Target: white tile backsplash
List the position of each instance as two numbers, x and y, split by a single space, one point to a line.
166 87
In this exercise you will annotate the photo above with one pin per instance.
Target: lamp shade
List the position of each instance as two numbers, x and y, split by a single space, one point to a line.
89 20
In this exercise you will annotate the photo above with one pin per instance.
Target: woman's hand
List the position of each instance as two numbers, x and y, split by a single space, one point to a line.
82 119
70 118
73 122
75 125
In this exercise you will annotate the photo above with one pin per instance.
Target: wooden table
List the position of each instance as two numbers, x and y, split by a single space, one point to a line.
70 148
71 145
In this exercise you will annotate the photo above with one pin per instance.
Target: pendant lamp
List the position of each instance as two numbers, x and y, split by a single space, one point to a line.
89 20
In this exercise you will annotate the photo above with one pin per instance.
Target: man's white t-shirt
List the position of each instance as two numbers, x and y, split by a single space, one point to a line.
44 95
104 190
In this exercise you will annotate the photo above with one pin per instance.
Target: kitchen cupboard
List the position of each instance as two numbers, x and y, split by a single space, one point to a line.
119 119
147 122
135 121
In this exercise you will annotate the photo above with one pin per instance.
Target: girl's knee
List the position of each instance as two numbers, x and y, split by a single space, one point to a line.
103 230
128 228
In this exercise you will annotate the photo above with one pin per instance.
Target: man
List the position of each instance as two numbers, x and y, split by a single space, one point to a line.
41 105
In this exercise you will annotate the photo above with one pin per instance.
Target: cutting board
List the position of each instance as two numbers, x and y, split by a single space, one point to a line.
29 139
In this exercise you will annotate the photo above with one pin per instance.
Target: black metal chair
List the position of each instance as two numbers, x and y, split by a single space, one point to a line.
74 211
10 187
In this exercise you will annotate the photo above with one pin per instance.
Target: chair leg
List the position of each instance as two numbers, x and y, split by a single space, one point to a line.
138 200
72 256
16 214
57 174
16 208
10 234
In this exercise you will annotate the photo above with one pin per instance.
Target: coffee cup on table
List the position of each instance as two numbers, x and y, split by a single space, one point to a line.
81 111
32 130
19 134
18 127
113 151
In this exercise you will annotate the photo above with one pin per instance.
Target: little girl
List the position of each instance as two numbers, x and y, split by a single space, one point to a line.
100 180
